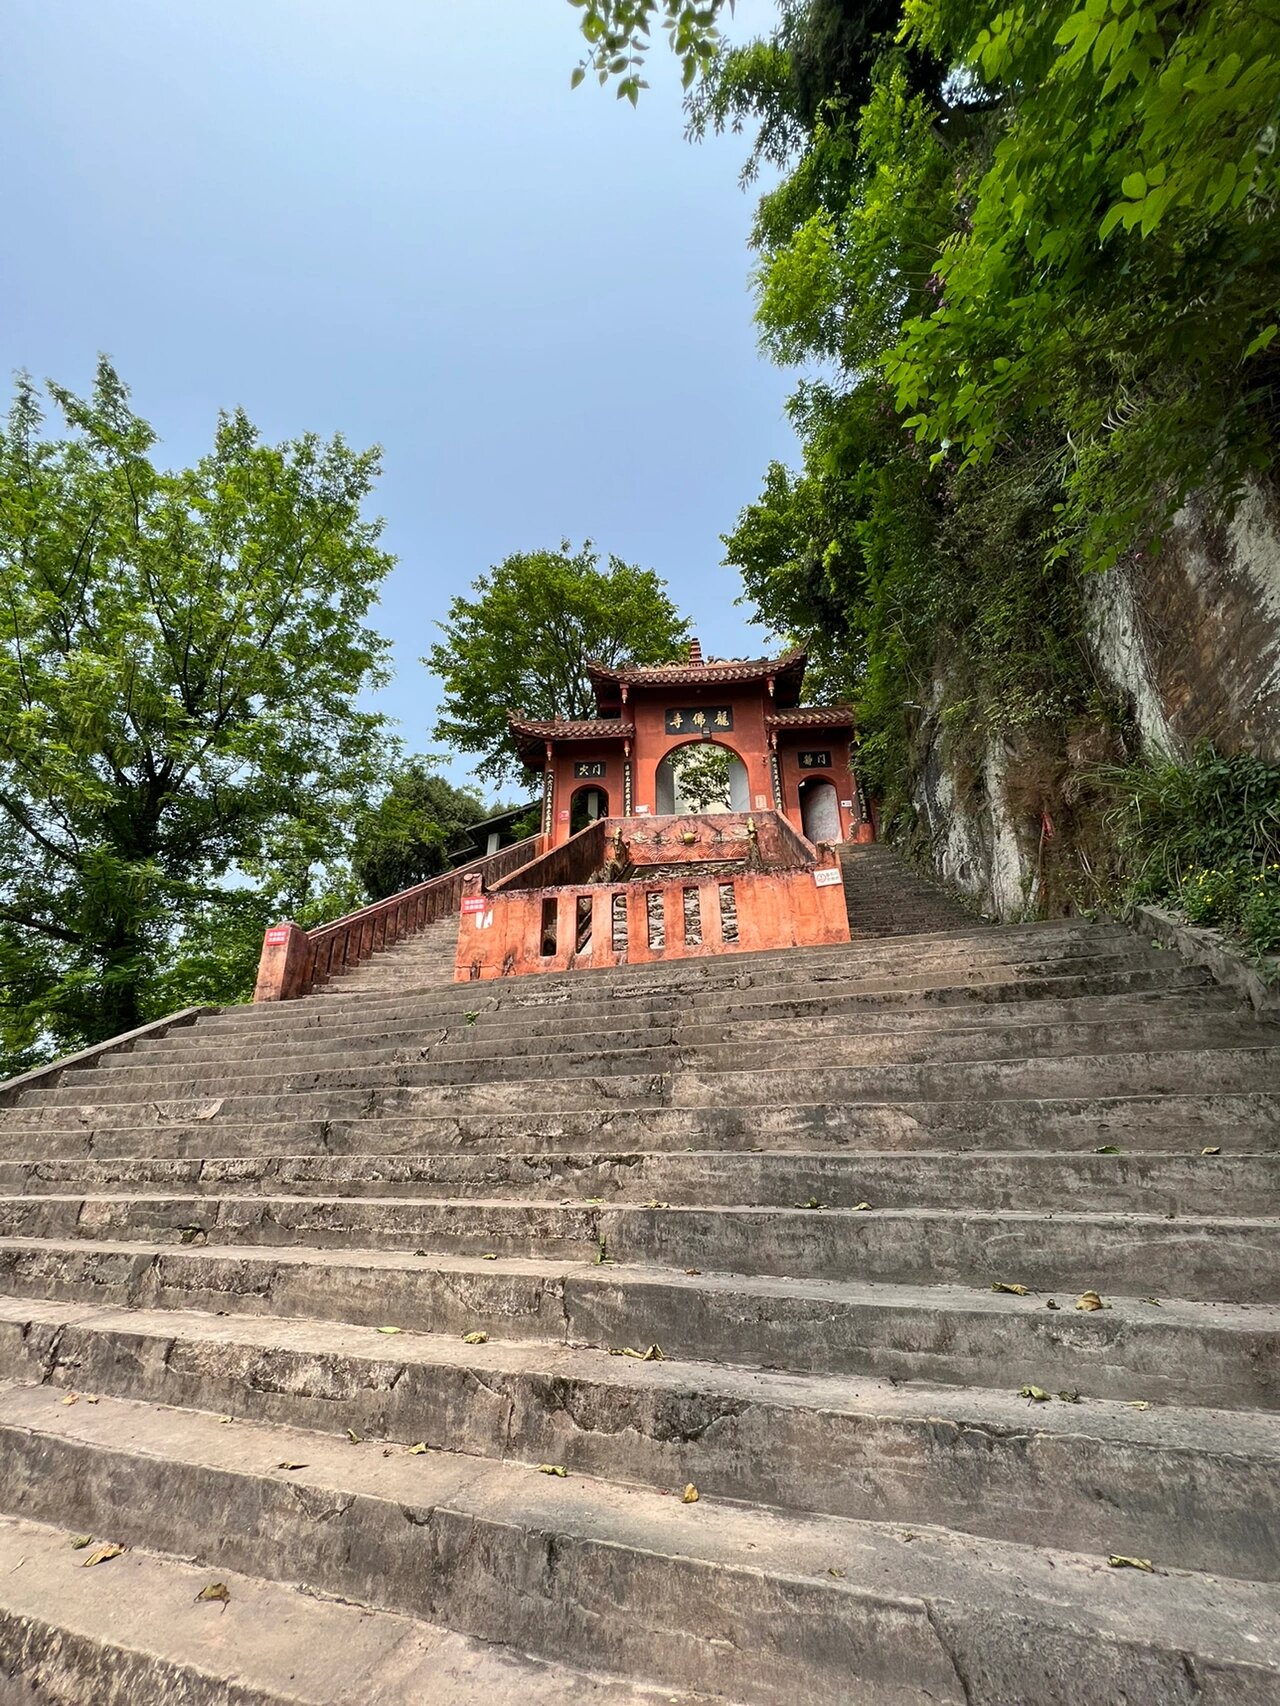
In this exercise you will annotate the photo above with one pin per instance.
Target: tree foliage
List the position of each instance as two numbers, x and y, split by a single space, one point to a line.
523 641
181 655
413 830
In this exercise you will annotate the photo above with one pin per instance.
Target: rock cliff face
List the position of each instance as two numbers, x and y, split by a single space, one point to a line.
1188 640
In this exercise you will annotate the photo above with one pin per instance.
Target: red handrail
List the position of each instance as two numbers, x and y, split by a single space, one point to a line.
294 961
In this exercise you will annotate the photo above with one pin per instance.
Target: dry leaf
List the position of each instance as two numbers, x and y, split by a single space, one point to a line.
80 1541
489 1256
1037 1394
101 1554
553 1469
353 1436
1107 1149
690 1495
1213 1149
653 1354
72 1398
812 1203
836 1573
215 1590
1089 1300
1137 1404
1155 1301
1069 1397
391 1329
1118 1561
652 1203
287 1463
416 1450
224 1419
475 1338
189 1234
693 1270
90 1398
1013 1290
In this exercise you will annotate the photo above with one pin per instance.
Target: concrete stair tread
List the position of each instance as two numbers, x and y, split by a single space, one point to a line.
1240 1433
902 1599
135 1631
1220 1355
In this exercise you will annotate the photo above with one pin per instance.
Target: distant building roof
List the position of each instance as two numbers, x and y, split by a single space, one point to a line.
787 672
531 735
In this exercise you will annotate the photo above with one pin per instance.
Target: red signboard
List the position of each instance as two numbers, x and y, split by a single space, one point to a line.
277 935
473 903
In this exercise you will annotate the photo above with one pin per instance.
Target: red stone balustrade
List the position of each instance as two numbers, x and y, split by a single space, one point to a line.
558 914
294 961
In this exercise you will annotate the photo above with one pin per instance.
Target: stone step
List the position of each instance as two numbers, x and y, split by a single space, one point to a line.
533 999
1246 1122
1200 1489
436 1059
761 1604
1214 1258
136 1632
403 1089
492 1030
1237 1183
1163 1350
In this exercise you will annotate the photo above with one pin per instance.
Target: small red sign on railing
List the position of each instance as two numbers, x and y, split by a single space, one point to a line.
278 934
473 903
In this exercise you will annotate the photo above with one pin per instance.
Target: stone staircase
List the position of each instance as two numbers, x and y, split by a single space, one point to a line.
316 1301
885 897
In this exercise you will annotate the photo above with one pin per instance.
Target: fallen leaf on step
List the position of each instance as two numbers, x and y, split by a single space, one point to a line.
190 1234
416 1450
860 1205
654 1203
353 1436
90 1398
1152 1300
1013 1290
1213 1149
693 1270
72 1398
215 1590
653 1354
475 1338
812 1203
690 1495
101 1554
1107 1149
391 1329
553 1469
1089 1300
836 1573
1137 1404
489 1256
224 1419
1118 1561
1037 1394
80 1541
1070 1397
288 1463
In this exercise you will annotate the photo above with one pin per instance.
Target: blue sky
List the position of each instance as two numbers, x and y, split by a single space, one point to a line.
393 218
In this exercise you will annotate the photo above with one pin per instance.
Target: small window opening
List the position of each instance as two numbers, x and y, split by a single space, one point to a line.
582 924
657 927
548 928
620 924
692 919
728 913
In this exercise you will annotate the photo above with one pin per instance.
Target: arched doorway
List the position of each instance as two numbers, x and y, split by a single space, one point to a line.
819 809
586 806
701 777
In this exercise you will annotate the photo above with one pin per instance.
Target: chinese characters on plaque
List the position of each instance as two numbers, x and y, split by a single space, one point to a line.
814 760
588 770
705 720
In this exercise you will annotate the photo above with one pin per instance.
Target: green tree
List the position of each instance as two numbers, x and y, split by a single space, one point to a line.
702 776
523 642
181 655
412 831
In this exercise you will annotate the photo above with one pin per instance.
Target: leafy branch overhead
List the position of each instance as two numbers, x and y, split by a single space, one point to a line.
617 34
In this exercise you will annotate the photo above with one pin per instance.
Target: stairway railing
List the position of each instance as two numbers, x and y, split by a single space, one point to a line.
296 961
